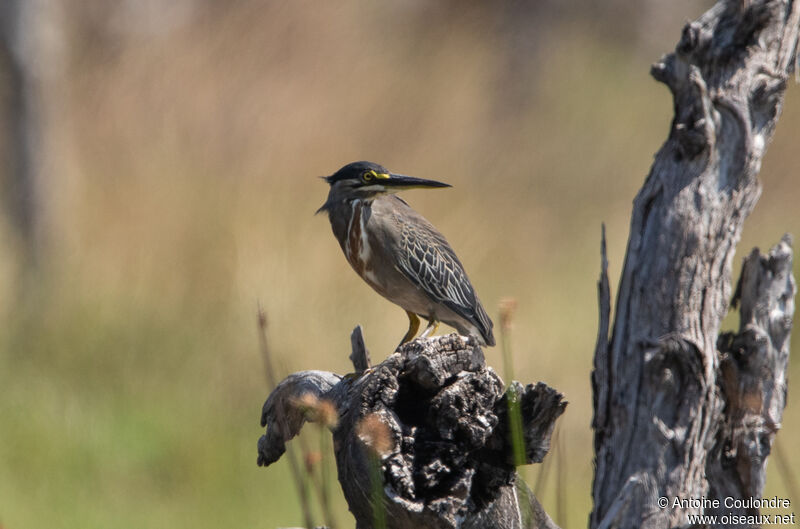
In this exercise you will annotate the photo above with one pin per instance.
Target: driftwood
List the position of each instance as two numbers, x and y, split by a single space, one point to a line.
434 418
680 410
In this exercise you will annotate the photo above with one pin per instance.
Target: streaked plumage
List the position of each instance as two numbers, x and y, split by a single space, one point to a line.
399 253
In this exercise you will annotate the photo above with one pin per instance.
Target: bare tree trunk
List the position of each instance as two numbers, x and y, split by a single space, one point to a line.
22 126
681 412
32 54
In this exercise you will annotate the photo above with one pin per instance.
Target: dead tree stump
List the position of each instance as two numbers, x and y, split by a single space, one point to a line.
436 418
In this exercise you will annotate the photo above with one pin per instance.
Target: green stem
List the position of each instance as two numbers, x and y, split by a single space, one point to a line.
325 472
376 480
515 424
514 406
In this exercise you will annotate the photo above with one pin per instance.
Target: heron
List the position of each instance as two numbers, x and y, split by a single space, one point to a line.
399 253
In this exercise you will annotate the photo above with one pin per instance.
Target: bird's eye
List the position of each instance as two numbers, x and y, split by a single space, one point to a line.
368 175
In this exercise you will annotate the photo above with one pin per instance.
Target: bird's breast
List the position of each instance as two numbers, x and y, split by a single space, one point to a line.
357 246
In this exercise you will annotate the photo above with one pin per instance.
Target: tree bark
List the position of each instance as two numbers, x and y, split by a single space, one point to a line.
23 126
434 419
681 412
31 53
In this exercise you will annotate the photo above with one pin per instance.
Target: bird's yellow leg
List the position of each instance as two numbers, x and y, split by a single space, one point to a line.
432 327
413 327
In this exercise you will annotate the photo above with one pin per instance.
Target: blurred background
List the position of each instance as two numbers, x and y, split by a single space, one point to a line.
172 150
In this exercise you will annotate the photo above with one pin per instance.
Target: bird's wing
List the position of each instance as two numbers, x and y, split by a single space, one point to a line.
430 263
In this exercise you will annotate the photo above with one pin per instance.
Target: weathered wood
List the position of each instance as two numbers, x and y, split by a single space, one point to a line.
753 379
601 367
664 413
359 355
436 417
282 415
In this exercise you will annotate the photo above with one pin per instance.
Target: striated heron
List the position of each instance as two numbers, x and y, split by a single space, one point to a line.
399 253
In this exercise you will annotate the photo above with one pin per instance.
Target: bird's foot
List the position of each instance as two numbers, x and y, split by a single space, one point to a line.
431 329
413 327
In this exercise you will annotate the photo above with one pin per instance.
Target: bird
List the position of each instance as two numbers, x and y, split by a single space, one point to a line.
401 255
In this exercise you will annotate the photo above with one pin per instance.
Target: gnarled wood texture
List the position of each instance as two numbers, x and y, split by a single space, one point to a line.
675 416
446 459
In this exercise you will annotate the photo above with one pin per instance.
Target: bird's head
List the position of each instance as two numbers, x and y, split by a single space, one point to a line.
366 180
